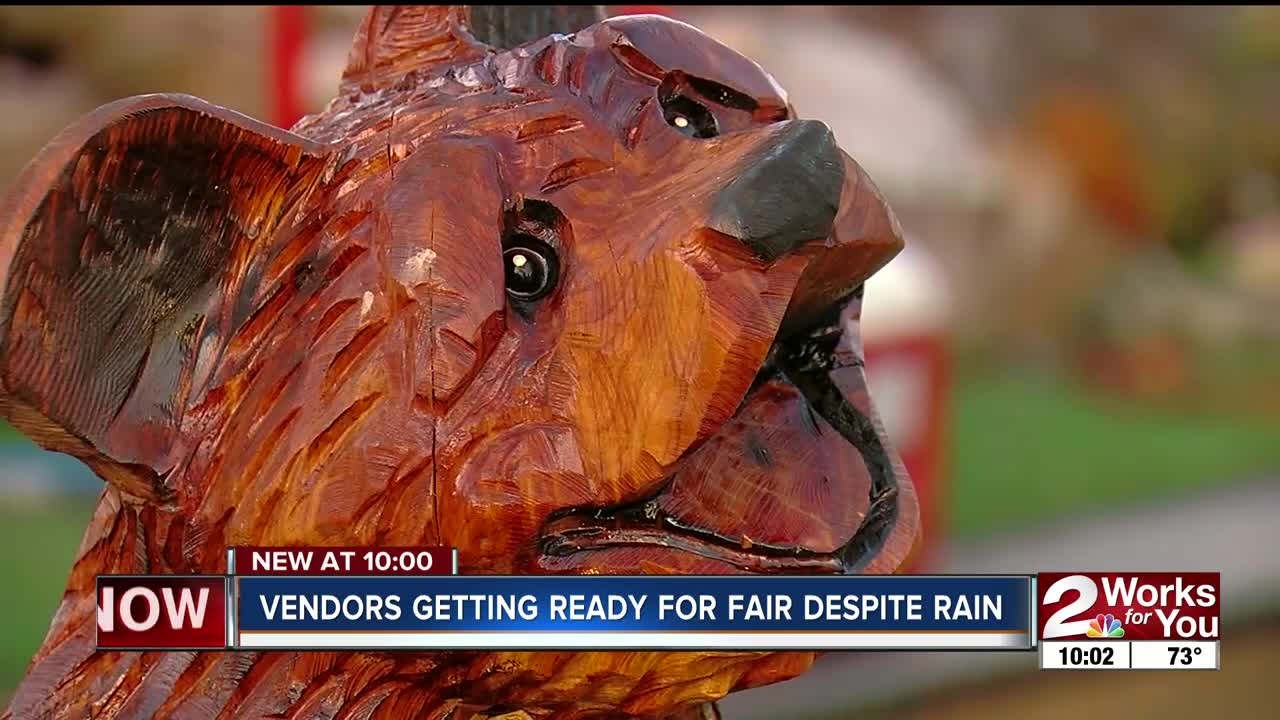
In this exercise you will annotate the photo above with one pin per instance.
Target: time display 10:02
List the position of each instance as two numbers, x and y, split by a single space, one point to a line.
1077 656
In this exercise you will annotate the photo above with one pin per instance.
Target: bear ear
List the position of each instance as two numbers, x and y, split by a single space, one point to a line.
394 40
120 245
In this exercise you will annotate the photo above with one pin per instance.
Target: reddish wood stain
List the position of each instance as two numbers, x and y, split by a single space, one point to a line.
269 337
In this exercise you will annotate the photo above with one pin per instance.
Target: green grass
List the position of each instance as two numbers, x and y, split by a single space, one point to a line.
1030 448
37 555
7 433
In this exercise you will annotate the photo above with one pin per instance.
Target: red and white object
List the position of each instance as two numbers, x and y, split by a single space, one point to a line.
1129 621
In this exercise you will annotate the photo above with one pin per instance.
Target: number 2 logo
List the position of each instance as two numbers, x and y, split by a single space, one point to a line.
1056 626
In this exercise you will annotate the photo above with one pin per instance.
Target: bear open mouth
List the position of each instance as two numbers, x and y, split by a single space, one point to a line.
801 361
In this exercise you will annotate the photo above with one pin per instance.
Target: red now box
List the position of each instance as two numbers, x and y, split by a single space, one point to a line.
342 561
162 612
1128 606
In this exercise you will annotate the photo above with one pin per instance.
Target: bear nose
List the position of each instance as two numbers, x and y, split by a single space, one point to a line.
786 193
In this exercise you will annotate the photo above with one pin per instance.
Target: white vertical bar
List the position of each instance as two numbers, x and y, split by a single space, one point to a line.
454 553
1033 613
231 612
231 609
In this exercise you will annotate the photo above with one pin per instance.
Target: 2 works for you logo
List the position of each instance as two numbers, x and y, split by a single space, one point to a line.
1129 606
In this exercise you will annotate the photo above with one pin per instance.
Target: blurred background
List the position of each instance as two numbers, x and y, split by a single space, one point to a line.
1078 355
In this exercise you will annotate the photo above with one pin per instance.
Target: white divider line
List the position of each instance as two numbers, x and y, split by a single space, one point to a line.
634 640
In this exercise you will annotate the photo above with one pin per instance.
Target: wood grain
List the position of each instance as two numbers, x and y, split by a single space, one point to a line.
270 337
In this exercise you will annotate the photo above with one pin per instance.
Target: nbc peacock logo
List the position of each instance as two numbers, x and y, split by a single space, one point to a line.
1105 626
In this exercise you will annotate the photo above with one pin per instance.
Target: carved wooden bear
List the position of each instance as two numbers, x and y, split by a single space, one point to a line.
587 304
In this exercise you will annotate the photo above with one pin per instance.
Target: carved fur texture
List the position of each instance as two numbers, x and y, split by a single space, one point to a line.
310 337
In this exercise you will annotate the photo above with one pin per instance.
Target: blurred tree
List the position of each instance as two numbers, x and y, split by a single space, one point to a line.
1095 141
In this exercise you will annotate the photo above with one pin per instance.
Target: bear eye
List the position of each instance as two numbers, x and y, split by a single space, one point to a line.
689 116
531 266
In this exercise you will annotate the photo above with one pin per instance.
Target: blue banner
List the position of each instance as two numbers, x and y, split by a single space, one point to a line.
636 604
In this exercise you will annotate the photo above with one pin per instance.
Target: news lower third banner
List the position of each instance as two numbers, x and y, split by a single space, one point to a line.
587 612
